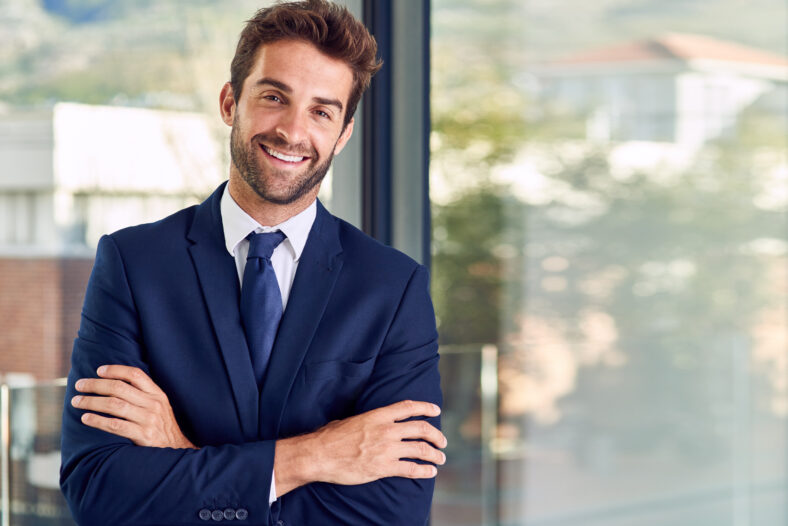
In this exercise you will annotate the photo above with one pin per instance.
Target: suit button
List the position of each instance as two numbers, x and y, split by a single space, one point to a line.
229 514
241 514
205 514
217 515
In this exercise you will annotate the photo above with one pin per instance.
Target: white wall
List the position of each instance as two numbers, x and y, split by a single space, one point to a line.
72 174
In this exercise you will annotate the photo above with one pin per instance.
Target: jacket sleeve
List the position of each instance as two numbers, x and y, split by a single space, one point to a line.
106 479
406 369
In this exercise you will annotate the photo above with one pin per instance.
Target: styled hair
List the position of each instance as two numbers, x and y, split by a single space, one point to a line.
330 27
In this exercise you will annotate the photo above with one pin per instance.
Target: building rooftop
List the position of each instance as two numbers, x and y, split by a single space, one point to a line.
678 46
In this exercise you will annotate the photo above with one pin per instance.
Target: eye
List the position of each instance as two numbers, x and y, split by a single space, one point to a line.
273 98
321 113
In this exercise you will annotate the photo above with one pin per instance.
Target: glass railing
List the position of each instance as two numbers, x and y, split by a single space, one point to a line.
493 477
30 450
578 474
467 485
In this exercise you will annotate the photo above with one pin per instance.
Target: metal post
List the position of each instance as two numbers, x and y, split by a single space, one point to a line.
376 162
5 447
741 443
489 395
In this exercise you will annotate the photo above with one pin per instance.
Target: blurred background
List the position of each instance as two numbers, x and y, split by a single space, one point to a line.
600 190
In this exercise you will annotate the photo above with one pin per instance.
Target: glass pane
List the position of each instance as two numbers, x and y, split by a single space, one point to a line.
609 185
466 493
34 456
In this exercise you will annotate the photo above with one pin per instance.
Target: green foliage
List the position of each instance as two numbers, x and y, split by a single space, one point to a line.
476 244
134 52
128 74
670 258
667 254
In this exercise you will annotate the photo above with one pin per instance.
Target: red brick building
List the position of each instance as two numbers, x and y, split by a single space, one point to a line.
40 308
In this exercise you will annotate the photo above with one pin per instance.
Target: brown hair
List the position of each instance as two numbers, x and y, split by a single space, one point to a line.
331 28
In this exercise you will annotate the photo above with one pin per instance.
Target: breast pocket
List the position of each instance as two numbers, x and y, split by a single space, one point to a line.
334 386
337 369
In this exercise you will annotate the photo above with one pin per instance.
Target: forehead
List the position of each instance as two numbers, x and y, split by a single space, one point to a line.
304 68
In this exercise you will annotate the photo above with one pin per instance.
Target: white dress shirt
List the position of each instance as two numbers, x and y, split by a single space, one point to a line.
237 224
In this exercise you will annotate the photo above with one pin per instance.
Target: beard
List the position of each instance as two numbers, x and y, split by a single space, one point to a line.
261 180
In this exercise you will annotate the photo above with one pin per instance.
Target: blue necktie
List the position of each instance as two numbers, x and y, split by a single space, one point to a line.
261 300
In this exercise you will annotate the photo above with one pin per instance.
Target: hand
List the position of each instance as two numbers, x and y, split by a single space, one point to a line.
362 448
143 410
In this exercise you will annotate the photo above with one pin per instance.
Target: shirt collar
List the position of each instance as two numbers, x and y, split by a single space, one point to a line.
237 224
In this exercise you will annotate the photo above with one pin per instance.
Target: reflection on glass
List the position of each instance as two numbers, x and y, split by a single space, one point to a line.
31 422
609 190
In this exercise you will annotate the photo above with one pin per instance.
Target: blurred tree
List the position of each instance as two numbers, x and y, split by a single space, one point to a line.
677 258
673 259
476 239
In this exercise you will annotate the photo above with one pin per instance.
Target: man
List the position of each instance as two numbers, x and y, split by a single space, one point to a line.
254 358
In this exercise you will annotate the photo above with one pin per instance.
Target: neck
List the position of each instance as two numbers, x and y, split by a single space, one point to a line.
265 212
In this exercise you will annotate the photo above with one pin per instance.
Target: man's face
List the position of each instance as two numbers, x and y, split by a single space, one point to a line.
287 125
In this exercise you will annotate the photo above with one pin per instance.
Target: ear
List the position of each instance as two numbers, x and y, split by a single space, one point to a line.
344 136
227 104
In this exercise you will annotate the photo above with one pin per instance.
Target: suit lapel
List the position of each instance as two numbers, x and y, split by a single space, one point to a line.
318 268
219 281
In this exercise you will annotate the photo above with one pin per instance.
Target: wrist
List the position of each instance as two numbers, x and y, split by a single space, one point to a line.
179 441
293 464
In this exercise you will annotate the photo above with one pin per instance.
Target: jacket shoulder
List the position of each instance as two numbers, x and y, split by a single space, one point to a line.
151 236
364 249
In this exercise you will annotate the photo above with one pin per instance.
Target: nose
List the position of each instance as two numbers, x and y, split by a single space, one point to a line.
292 126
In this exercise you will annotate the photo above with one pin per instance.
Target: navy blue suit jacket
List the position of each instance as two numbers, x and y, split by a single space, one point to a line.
358 333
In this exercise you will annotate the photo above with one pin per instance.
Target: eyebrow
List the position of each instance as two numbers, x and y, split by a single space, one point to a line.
328 102
287 89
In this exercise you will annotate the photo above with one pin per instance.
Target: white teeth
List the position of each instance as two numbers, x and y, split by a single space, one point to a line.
283 157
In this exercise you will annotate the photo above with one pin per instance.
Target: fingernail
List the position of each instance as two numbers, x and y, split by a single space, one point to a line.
80 384
443 456
438 409
434 471
102 369
76 400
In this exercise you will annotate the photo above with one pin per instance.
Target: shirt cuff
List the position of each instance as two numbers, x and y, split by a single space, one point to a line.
272 495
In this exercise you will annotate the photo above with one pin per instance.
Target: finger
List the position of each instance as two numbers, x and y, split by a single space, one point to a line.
421 451
115 426
133 375
408 409
411 470
423 430
116 388
111 406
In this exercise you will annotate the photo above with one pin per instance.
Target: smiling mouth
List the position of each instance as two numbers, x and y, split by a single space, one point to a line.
282 156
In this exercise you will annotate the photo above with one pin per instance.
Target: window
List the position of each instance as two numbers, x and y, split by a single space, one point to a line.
609 262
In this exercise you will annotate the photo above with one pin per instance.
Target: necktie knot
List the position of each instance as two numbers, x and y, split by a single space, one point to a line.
263 245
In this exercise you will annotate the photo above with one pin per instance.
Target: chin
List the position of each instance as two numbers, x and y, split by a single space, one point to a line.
279 198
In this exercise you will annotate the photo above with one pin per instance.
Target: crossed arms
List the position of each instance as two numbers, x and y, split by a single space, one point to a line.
355 450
